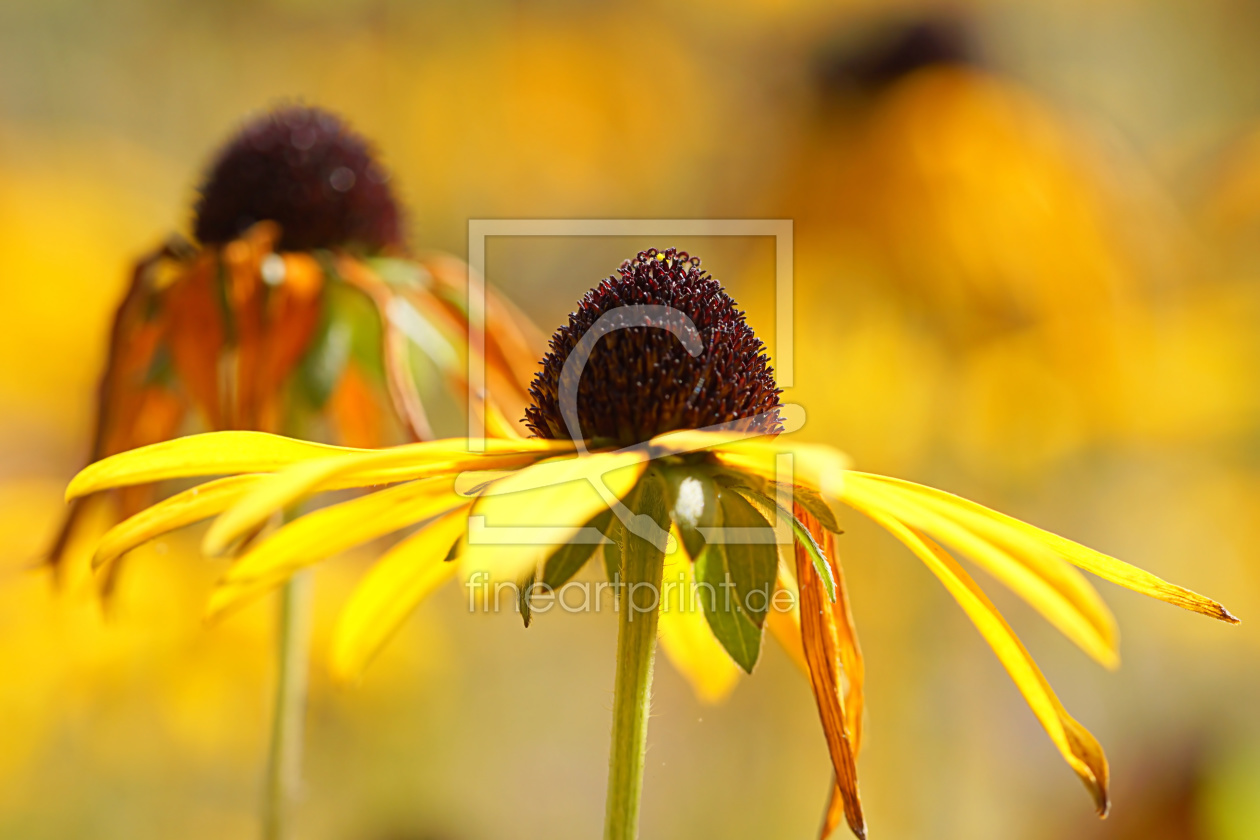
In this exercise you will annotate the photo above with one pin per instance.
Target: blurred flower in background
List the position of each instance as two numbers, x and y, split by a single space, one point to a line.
1023 270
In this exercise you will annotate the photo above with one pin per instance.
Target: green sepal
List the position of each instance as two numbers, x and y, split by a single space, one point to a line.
802 537
349 330
397 273
325 361
524 591
809 499
454 551
737 580
731 627
815 504
161 371
753 566
569 559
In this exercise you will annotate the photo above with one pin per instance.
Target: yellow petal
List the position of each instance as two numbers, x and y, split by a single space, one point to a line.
328 531
1012 530
400 580
214 453
785 624
521 519
227 598
1078 747
835 810
193 505
685 635
1049 585
401 463
816 466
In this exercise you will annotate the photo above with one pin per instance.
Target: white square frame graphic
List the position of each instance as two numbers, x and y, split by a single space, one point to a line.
480 229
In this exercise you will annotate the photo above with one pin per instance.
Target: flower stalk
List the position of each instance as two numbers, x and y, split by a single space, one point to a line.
284 765
641 573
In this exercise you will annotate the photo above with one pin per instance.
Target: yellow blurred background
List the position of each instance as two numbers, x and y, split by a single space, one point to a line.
1027 269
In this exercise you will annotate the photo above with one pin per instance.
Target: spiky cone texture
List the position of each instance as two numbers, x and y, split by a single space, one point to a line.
788 495
296 310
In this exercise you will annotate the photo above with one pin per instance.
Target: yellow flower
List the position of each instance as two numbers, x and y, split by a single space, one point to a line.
296 311
660 429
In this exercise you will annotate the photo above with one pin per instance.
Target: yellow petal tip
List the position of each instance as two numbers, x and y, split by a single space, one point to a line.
344 674
212 545
1098 790
74 489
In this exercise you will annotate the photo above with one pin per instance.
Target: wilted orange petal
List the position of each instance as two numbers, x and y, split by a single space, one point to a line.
355 410
821 638
195 335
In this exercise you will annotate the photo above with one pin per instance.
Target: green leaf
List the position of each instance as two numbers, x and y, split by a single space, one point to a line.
351 306
161 367
325 362
815 504
802 535
736 578
693 503
401 274
349 328
569 559
524 592
750 555
731 627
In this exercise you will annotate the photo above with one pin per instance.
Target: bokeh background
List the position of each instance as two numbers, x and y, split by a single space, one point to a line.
1027 270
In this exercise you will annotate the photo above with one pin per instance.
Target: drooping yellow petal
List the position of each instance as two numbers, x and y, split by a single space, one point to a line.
1078 747
396 584
520 519
785 624
1048 584
192 505
1012 532
213 453
401 463
328 531
685 635
835 810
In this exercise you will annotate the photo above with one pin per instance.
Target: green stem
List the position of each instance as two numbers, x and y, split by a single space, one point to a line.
284 764
642 568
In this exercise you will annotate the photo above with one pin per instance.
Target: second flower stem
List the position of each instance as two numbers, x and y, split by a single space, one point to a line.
288 727
641 572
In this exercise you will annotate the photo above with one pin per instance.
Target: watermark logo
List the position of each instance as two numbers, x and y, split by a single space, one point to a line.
587 596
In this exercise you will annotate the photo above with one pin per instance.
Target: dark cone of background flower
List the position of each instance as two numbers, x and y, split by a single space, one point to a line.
640 381
894 50
304 169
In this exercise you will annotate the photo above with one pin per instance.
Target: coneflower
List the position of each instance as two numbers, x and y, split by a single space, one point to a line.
296 309
660 427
